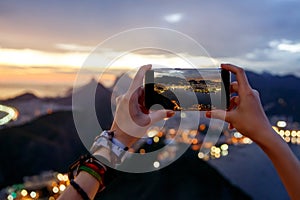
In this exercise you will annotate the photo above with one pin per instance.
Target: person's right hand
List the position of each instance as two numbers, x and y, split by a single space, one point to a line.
245 112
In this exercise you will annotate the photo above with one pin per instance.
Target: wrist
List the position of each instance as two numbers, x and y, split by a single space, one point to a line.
107 146
126 139
87 182
87 176
269 140
89 165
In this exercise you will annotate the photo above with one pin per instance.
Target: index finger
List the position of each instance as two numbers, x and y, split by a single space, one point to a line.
138 79
240 76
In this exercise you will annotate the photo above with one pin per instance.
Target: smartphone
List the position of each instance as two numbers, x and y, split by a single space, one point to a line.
187 89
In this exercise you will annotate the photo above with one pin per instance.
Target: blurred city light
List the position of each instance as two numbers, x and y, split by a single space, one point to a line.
281 124
55 189
24 193
237 135
33 194
142 151
152 133
62 187
201 155
156 139
156 164
194 137
224 147
10 197
60 176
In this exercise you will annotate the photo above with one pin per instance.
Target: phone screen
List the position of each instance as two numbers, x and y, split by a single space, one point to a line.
187 89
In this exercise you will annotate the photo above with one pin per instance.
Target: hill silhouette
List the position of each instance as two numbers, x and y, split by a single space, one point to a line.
27 96
48 143
186 178
51 143
280 95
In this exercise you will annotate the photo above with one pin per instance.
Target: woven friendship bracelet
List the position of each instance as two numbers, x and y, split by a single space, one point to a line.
91 172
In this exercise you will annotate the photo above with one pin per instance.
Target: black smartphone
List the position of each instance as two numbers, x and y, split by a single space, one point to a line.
187 89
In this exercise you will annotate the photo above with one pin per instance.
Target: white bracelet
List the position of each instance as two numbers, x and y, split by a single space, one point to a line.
106 140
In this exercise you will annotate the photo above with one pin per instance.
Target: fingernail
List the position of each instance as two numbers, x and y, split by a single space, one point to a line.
148 66
170 113
208 114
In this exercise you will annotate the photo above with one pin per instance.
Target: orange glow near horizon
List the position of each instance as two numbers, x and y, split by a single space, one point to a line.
47 84
27 66
22 68
51 78
31 58
38 78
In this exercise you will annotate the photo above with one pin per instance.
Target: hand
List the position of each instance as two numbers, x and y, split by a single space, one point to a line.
245 112
132 119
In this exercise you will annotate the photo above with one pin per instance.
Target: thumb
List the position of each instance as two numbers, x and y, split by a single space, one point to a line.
217 114
160 115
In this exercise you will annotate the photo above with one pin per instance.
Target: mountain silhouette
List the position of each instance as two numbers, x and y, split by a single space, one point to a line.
186 178
51 143
280 95
28 96
48 143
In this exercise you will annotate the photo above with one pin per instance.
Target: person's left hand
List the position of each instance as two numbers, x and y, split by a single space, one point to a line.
132 119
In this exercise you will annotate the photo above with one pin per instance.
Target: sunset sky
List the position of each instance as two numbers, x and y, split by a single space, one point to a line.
48 41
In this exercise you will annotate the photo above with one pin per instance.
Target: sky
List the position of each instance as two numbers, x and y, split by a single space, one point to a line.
47 41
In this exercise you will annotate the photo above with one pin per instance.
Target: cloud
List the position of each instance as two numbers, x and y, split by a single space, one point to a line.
239 30
173 18
74 47
279 57
286 45
31 58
